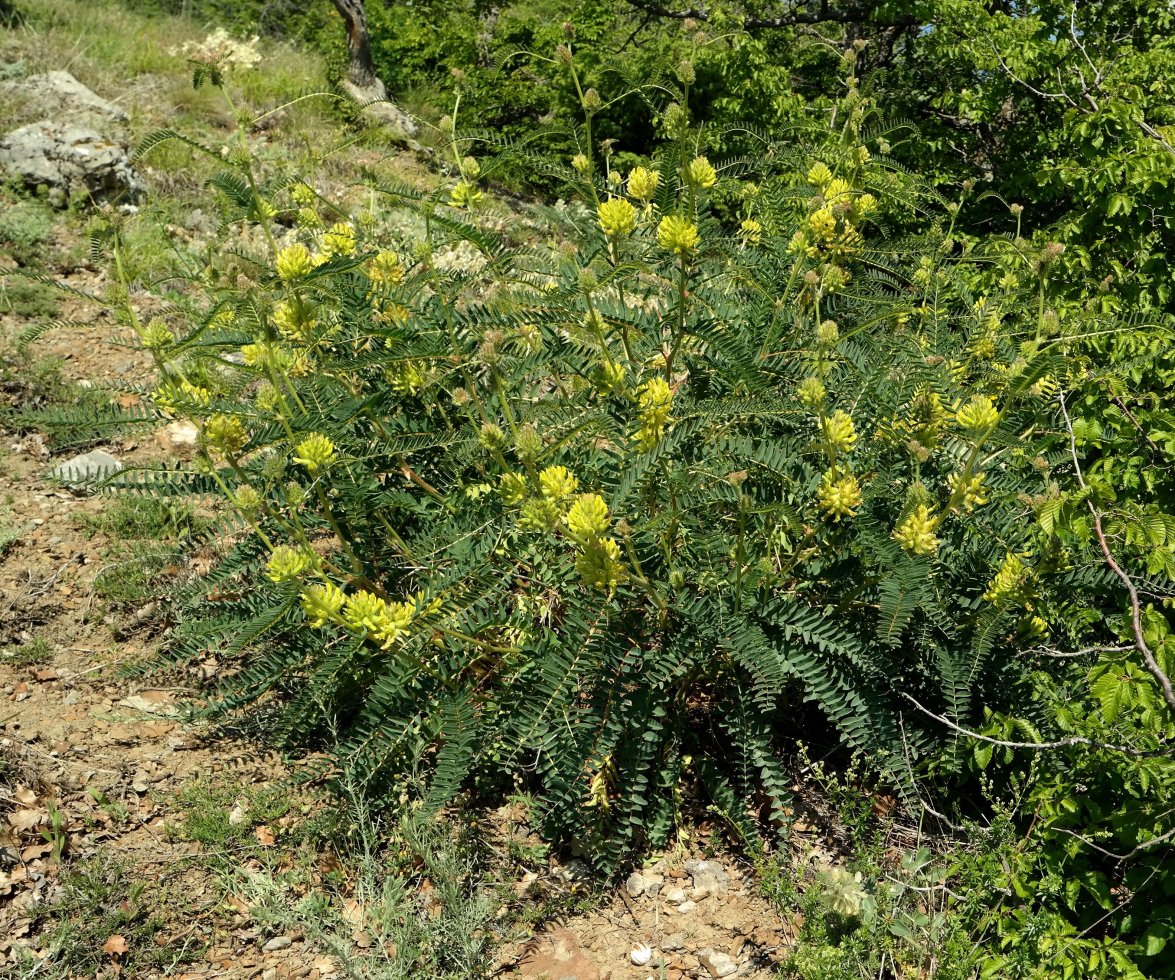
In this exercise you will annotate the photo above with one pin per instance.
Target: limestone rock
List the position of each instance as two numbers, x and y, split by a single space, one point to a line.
179 438
86 469
57 95
709 875
558 956
69 161
717 964
375 106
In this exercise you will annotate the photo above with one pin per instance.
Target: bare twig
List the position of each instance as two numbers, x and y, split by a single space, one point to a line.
1140 644
1145 846
1060 743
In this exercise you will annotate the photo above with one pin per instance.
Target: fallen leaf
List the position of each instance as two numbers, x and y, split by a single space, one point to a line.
128 401
24 795
115 946
264 836
27 819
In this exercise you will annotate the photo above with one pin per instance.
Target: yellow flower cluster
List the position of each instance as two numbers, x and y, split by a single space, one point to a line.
752 231
839 495
171 397
382 621
977 416
656 402
838 430
642 183
598 562
287 564
226 434
617 218
677 235
700 174
339 240
811 391
315 452
385 269
588 518
557 483
293 263
916 532
1007 585
322 603
156 335
600 567
465 194
293 321
969 493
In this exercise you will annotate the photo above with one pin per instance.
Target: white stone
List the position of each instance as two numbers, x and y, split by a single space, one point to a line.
88 468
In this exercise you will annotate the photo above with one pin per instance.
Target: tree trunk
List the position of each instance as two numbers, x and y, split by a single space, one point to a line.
360 69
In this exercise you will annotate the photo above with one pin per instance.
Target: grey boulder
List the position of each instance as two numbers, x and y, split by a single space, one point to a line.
66 161
59 96
86 469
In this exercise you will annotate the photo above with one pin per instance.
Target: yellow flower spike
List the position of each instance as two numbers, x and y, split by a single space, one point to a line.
170 397
512 488
557 483
700 174
836 189
971 493
581 163
827 334
394 623
294 263
287 564
157 335
811 392
677 235
539 514
655 395
752 231
322 603
226 434
309 218
617 218
864 206
588 518
247 500
611 376
385 269
339 240
302 195
978 415
819 175
315 452
822 224
465 195
292 321
839 495
384 622
839 432
642 183
916 533
600 566
362 611
1007 581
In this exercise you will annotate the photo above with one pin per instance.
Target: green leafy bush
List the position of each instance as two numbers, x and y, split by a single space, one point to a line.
611 506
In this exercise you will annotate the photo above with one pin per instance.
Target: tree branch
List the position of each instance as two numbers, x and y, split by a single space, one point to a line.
1140 644
1061 743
